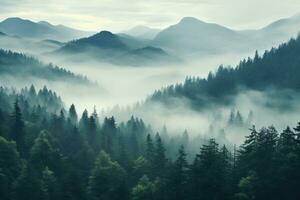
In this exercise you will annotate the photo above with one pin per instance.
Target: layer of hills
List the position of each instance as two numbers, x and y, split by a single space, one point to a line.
28 45
116 49
142 45
191 35
277 69
40 30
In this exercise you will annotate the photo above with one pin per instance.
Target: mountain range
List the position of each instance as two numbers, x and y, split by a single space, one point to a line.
117 49
39 30
191 35
141 45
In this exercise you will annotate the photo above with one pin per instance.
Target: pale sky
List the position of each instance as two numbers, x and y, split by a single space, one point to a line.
117 15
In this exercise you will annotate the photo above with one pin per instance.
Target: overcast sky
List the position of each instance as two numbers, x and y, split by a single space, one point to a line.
116 15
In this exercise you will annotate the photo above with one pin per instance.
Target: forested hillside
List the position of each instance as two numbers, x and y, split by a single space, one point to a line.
278 68
20 65
47 152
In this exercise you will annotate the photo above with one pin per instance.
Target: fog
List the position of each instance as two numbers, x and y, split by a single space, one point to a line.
127 85
122 91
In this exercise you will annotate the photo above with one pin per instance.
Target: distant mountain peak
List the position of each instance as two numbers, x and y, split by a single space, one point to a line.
16 20
45 23
150 49
2 34
190 20
39 30
104 34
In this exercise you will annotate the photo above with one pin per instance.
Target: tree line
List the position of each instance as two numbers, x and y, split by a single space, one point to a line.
47 152
277 68
17 64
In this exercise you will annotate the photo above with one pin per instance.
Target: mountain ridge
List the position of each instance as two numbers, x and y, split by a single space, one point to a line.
41 30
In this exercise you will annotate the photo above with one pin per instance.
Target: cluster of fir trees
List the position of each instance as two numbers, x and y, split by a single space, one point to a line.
236 119
64 157
277 68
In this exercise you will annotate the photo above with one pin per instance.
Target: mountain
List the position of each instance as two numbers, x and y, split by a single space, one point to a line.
277 69
114 48
2 34
23 67
193 35
103 40
143 32
41 30
28 45
146 56
277 32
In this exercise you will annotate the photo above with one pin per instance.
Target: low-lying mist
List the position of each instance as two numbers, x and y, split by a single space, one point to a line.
123 89
126 88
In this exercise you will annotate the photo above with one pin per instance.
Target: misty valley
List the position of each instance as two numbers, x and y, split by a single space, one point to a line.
193 111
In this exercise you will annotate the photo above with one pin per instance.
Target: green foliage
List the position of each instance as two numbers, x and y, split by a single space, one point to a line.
10 166
107 179
59 158
143 190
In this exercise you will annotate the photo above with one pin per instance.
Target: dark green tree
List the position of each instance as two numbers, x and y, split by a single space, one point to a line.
107 180
17 129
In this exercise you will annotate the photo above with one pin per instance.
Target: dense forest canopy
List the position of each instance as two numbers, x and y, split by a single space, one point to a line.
48 152
277 68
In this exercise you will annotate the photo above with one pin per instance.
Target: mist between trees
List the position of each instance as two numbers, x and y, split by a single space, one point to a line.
48 152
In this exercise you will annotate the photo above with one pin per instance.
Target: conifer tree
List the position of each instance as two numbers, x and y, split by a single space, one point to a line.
17 128
73 115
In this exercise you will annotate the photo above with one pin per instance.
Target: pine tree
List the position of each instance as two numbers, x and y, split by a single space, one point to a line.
73 115
84 122
107 179
231 119
49 185
160 159
10 166
239 119
206 173
45 153
17 128
178 178
149 149
143 190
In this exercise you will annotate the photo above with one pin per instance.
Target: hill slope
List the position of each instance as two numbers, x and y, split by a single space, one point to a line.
118 49
278 68
24 67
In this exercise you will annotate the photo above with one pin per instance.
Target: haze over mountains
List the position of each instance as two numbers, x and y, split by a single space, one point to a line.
191 35
40 30
143 32
20 66
190 38
116 49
